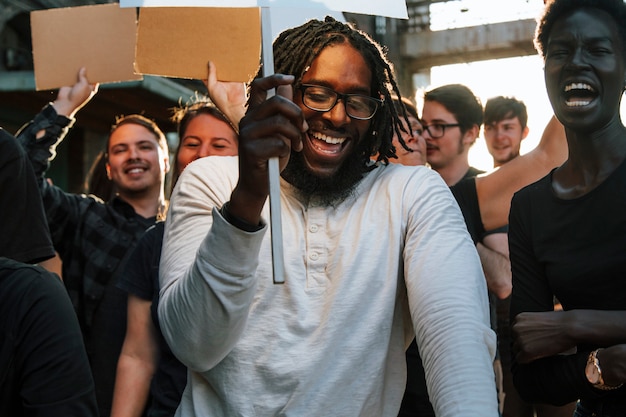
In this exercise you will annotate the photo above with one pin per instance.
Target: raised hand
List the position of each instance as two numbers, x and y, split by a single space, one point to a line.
229 97
71 99
270 129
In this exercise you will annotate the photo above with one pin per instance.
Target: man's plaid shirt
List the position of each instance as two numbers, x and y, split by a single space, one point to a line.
91 237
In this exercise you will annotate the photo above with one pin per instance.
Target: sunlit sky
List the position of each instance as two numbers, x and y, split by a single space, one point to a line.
520 77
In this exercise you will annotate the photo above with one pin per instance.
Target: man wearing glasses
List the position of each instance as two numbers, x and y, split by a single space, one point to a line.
323 99
374 253
451 118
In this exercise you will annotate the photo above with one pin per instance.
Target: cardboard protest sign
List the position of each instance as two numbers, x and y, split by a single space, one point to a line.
99 37
178 42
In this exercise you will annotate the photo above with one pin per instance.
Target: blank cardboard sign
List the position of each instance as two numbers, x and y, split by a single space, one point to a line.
98 37
179 41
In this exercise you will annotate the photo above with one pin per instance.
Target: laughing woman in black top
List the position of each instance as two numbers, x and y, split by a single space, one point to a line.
567 232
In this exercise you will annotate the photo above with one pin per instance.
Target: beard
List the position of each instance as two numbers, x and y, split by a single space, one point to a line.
326 191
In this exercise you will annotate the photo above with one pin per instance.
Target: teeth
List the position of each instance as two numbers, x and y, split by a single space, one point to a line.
577 103
328 139
578 86
135 171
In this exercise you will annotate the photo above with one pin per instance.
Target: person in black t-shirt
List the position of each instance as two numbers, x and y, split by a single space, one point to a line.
567 231
43 363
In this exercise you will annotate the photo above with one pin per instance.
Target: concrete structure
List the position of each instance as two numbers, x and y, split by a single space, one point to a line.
414 48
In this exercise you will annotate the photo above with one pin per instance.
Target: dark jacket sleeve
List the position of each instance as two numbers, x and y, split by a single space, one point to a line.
43 150
22 218
63 210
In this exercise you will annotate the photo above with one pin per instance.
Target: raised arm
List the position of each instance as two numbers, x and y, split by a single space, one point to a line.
40 137
496 189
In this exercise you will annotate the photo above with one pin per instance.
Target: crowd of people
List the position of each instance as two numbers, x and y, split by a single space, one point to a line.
415 284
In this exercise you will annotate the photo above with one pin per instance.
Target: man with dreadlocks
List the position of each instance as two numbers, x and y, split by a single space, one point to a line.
374 254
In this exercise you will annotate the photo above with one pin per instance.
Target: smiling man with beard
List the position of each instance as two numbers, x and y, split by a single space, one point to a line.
375 253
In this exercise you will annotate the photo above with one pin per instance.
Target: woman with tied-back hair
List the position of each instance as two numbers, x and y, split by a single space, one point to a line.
149 377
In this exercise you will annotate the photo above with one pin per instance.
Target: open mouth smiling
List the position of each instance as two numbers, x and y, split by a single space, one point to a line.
578 94
326 143
135 170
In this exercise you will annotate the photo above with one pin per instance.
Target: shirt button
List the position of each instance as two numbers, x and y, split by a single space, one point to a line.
314 256
313 228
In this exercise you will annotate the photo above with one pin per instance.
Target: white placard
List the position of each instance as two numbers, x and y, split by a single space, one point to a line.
389 8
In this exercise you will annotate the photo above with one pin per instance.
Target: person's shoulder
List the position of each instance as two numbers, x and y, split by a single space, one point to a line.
473 172
538 191
465 184
13 273
8 265
412 182
9 147
153 234
542 185
397 171
211 176
210 165
213 161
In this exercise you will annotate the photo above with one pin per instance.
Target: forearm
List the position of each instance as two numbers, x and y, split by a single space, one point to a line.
596 327
543 373
443 362
245 207
208 267
132 386
217 288
449 308
497 270
40 137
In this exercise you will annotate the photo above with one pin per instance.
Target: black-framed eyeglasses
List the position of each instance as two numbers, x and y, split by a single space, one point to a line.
437 130
323 99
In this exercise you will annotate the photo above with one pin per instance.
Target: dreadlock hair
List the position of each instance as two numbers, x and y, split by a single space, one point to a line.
556 9
296 48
